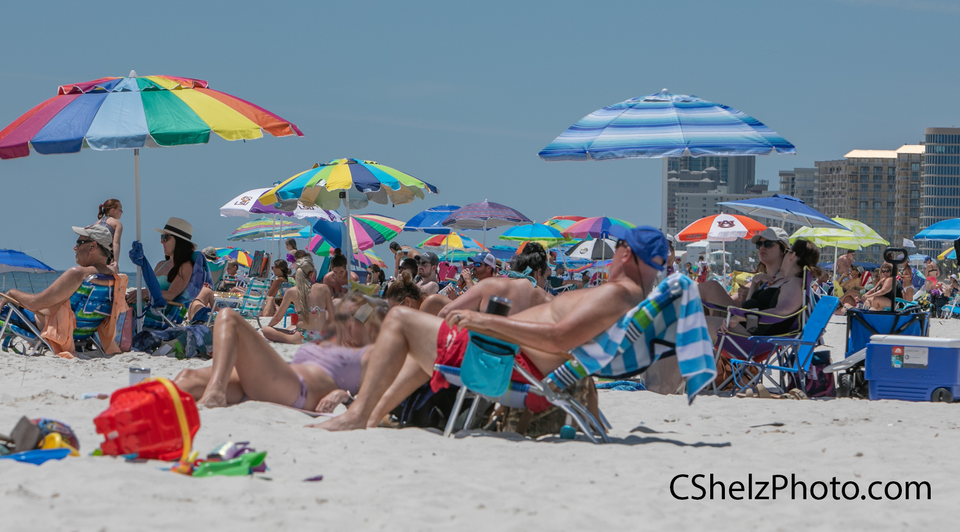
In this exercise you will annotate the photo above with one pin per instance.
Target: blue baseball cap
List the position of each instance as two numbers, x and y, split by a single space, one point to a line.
646 242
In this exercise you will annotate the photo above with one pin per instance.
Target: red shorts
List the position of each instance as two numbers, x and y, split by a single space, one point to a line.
452 344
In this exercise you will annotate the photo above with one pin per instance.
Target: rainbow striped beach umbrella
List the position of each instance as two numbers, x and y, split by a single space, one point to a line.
366 230
451 241
136 112
598 227
265 228
319 246
236 254
321 185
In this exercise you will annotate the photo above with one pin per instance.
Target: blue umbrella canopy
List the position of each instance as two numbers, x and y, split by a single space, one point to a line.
785 209
12 260
945 230
431 220
665 125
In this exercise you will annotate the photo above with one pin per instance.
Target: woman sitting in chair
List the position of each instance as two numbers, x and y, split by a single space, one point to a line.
281 272
175 271
880 297
55 309
312 302
906 281
772 244
780 294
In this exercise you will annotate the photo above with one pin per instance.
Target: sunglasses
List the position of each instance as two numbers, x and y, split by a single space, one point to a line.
81 241
887 270
164 238
766 244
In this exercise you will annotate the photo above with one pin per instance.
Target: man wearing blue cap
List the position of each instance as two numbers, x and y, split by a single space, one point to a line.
411 342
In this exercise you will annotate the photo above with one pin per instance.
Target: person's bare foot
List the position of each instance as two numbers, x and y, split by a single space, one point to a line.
341 423
213 400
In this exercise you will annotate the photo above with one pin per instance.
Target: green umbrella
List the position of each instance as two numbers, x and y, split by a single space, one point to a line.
858 235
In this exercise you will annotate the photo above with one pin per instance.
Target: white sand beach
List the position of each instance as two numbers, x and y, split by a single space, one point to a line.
414 479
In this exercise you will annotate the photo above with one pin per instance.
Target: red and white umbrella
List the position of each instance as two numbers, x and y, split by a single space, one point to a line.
720 228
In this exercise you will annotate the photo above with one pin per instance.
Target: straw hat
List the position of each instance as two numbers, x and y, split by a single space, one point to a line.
177 227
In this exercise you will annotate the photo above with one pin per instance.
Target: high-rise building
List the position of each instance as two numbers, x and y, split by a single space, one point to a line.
864 186
940 192
738 174
908 207
800 183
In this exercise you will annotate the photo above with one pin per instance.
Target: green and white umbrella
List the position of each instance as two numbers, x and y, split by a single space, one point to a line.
857 236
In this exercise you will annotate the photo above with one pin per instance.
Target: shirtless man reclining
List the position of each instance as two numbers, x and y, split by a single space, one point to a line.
554 328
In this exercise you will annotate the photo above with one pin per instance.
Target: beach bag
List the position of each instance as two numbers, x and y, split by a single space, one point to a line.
487 365
425 408
124 335
818 382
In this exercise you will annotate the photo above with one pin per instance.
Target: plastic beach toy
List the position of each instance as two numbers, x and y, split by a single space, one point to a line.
241 465
38 456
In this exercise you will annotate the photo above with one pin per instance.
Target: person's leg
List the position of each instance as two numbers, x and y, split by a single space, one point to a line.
279 335
264 375
880 303
194 382
410 378
205 299
713 292
403 331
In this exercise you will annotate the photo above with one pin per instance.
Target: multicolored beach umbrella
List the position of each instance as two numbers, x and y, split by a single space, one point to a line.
237 254
137 112
720 228
249 202
452 241
562 223
321 185
265 228
366 230
321 247
545 235
483 216
597 227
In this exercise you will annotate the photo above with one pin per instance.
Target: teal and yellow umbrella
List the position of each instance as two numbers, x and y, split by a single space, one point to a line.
265 228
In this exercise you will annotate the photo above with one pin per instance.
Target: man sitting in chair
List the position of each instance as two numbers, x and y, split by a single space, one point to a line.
52 306
546 332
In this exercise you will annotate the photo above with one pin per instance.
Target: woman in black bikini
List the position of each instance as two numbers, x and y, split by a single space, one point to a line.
780 294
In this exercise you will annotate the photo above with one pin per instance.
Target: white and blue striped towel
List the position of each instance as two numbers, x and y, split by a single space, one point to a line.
673 313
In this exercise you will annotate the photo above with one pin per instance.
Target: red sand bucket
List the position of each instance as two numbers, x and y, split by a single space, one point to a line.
153 419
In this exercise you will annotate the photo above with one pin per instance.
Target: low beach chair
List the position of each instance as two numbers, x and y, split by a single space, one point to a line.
92 304
670 322
790 356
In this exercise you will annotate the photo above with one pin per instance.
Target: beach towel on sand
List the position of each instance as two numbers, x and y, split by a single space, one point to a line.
627 348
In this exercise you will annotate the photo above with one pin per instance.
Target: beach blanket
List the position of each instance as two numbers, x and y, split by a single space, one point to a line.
671 313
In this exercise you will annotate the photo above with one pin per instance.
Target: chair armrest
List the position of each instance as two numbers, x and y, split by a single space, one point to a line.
737 311
780 340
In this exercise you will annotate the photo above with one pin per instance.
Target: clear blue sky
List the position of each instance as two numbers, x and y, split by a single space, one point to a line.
462 95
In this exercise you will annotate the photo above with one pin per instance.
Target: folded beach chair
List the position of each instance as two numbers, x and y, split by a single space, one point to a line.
747 347
92 305
670 322
790 356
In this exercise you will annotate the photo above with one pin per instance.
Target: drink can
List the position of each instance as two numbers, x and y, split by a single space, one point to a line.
138 374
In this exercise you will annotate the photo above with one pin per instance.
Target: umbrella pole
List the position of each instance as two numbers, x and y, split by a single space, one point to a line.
836 255
136 184
346 241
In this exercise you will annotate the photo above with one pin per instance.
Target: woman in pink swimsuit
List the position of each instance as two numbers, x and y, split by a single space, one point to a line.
321 375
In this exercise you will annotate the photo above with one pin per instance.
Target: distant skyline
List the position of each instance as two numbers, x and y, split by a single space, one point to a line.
461 96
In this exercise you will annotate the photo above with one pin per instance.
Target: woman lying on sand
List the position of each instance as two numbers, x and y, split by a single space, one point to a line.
321 375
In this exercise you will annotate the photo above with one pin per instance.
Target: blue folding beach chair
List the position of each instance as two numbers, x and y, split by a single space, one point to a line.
790 356
646 334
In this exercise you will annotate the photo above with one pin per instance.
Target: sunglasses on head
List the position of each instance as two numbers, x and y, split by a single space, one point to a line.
766 243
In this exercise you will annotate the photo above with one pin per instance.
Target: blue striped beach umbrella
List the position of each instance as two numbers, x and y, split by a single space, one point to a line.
665 125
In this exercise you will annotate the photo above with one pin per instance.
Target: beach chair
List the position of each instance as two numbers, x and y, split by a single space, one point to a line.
217 269
790 356
670 322
174 312
747 347
92 303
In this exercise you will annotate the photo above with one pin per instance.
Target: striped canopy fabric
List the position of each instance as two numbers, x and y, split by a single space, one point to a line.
545 235
720 228
597 227
665 125
451 241
858 235
321 185
265 228
136 112
366 230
